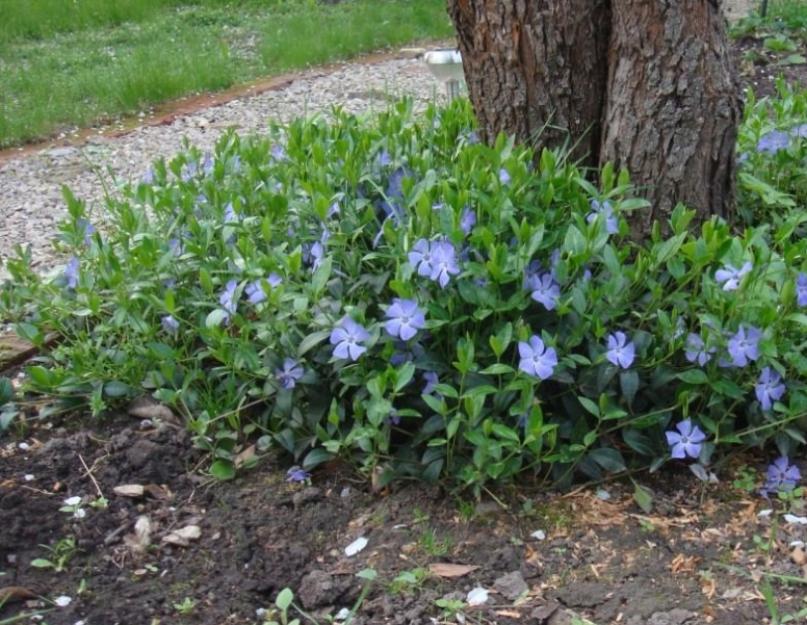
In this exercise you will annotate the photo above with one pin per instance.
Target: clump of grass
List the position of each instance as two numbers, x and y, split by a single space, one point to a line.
90 62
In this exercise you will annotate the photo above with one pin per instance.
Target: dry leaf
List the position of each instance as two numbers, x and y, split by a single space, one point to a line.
248 455
141 539
183 536
129 490
683 564
10 594
448 569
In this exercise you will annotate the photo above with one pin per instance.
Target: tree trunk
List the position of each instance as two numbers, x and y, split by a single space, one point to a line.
672 110
527 72
646 84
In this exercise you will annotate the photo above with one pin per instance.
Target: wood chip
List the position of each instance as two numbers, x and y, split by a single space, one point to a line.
129 490
450 570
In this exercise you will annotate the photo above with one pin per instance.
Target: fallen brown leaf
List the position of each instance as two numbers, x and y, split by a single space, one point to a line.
129 490
798 556
10 594
448 569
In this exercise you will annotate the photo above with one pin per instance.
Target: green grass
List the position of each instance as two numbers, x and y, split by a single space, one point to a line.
784 16
90 60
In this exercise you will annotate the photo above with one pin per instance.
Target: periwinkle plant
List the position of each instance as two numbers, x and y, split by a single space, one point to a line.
425 305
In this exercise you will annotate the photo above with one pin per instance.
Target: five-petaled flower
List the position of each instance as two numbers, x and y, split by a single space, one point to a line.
687 441
504 176
420 257
536 359
255 292
169 324
621 352
297 474
545 290
801 289
431 379
348 337
773 141
313 253
606 211
769 388
730 276
696 351
444 262
781 476
744 345
71 273
404 319
289 374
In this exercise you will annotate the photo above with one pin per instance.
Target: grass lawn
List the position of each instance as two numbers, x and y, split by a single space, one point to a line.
73 62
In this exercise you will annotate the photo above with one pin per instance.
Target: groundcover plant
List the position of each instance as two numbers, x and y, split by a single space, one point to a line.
396 293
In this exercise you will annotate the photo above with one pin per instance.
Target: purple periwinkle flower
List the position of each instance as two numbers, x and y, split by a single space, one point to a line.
297 474
773 141
545 290
289 374
347 337
148 176
420 257
208 163
801 289
313 253
189 170
394 418
467 220
278 152
255 292
781 476
473 138
686 441
696 351
621 352
606 211
406 352
169 324
176 247
444 262
799 131
504 176
431 379
536 359
229 214
744 345
384 158
333 210
730 276
227 299
769 388
71 272
404 319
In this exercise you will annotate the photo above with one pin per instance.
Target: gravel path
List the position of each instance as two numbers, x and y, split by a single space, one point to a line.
31 203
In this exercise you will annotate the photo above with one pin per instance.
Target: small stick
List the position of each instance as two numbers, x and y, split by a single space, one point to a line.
92 477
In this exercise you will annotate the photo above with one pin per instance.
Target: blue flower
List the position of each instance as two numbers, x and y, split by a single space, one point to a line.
744 345
467 220
255 292
347 337
799 131
621 352
176 247
278 152
148 176
291 372
227 299
313 253
545 290
687 441
473 138
406 352
773 141
801 289
696 351
384 158
229 214
781 476
297 474
71 272
333 210
606 211
536 359
189 170
169 324
769 388
730 276
420 257
431 379
444 262
504 176
207 164
405 318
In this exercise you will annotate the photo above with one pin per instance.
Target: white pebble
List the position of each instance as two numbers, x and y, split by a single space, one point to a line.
356 546
477 596
63 601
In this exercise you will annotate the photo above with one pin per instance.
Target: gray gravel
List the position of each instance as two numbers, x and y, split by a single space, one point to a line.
31 203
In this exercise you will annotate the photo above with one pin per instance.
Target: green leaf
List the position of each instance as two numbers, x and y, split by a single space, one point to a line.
498 369
222 470
321 275
693 376
367 574
643 498
404 375
609 459
42 563
311 341
502 431
589 405
629 382
116 389
284 599
316 457
6 391
215 318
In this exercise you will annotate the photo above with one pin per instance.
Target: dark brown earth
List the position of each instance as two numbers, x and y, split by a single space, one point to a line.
702 555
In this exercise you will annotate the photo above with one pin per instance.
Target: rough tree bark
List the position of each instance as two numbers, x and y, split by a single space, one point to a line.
647 84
